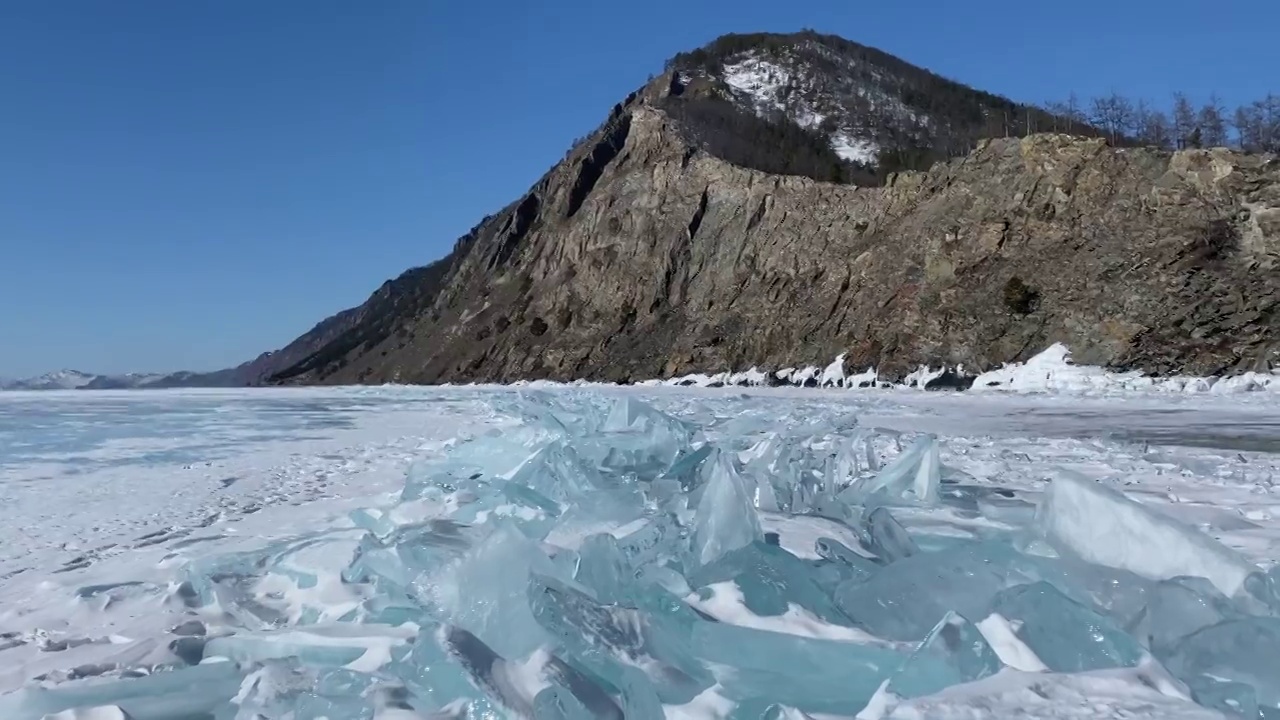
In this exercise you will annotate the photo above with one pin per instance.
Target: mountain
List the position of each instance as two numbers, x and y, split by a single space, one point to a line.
745 207
871 110
77 380
58 380
250 373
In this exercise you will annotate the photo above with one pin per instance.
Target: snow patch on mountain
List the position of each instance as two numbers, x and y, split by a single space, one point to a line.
57 380
853 149
77 380
764 84
846 106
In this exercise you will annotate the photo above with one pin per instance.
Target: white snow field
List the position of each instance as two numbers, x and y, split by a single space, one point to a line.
605 552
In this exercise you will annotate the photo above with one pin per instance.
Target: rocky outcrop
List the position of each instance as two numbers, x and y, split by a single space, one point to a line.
642 256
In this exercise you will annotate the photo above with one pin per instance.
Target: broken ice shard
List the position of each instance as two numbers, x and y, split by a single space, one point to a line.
834 551
485 591
1245 651
726 518
639 699
912 477
812 675
953 652
557 472
1065 635
604 639
603 568
883 536
1264 588
1178 607
636 438
1235 699
556 703
771 581
359 647
286 688
435 677
1103 526
187 692
904 600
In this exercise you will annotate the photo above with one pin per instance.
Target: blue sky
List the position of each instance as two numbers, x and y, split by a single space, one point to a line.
184 185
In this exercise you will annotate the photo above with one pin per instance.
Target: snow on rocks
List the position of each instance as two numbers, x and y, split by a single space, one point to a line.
1049 372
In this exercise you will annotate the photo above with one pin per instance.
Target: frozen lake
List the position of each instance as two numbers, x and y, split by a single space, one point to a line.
98 488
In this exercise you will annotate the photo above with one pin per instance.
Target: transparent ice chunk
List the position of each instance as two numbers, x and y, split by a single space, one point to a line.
526 508
726 518
433 481
485 592
1178 607
185 692
392 564
556 703
1235 699
1245 651
360 647
764 497
782 712
904 600
771 581
435 679
639 699
599 699
829 575
102 712
1103 526
605 639
1009 510
883 536
631 439
1118 594
913 476
510 685
1262 592
812 675
603 568
854 458
557 472
953 652
1065 635
661 537
790 467
685 468
281 689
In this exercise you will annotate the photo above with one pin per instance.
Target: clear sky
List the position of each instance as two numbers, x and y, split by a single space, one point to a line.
186 184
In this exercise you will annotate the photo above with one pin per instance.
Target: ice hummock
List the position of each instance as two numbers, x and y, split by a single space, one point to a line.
1103 526
603 559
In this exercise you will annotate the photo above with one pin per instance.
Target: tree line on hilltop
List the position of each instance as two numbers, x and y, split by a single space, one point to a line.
931 118
1253 127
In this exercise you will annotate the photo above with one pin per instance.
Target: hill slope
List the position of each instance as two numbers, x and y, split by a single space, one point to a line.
660 246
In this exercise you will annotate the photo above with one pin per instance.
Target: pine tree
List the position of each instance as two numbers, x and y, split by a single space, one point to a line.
1213 123
1184 120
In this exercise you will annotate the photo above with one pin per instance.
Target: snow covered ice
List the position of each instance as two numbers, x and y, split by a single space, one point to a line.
598 552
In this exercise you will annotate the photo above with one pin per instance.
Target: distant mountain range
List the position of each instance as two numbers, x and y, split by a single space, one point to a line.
253 372
77 380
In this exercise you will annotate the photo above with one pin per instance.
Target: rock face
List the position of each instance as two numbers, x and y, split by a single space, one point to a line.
642 255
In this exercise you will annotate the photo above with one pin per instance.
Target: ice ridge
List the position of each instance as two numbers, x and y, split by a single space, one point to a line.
602 559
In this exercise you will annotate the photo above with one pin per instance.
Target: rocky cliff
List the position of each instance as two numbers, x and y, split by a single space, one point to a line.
643 255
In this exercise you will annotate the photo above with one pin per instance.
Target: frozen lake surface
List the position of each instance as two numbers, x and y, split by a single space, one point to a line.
103 488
